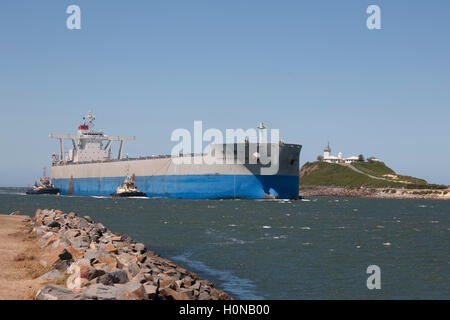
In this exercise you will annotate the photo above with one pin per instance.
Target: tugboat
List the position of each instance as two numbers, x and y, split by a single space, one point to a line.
45 186
128 189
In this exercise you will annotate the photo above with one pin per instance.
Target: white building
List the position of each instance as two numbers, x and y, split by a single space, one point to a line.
351 159
328 157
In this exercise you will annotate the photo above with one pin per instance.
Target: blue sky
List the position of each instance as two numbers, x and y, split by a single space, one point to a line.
310 68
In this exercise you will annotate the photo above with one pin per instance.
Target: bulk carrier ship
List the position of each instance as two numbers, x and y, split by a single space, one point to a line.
88 169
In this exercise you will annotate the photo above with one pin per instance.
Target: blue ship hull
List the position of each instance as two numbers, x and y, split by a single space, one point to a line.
190 186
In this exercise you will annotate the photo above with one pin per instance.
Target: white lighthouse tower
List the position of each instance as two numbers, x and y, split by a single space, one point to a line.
327 151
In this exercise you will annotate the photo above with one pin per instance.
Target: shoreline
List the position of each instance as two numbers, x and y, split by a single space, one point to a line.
79 259
374 192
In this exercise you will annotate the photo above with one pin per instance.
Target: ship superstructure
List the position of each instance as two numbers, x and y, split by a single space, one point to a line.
88 145
89 169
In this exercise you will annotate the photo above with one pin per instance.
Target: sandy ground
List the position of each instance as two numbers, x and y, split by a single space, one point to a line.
15 281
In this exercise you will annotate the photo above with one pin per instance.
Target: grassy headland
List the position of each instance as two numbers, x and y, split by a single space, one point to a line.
364 179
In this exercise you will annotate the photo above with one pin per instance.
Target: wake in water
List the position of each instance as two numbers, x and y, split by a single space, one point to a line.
124 198
241 288
15 193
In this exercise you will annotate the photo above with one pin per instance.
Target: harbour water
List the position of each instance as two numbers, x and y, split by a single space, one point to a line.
317 248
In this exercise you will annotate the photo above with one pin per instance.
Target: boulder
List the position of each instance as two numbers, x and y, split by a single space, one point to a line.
140 277
100 227
164 280
72 233
72 215
141 258
76 282
109 261
196 286
133 290
124 259
54 224
110 248
140 247
80 242
76 253
204 296
171 294
59 258
150 291
219 295
95 274
133 269
82 223
52 275
111 278
54 292
61 241
101 292
92 254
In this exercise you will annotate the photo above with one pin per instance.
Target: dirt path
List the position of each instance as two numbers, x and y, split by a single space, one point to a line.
15 281
370 176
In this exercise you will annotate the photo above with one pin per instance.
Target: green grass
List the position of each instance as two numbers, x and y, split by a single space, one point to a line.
327 174
374 168
379 169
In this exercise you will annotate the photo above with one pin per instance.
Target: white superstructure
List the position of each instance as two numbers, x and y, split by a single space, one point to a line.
88 145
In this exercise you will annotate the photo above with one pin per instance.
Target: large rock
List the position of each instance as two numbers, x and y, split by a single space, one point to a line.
109 261
54 224
150 291
59 258
140 247
92 254
110 278
124 259
81 241
54 292
133 269
76 253
171 294
133 290
82 223
52 275
110 248
101 292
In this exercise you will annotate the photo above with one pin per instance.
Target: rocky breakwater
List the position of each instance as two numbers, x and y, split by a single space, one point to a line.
101 265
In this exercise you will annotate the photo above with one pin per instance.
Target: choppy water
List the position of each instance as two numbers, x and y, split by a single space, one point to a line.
316 249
